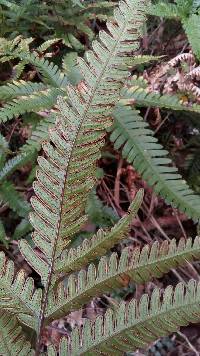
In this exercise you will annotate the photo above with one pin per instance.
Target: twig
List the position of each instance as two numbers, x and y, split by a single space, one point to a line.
188 342
161 123
180 223
117 182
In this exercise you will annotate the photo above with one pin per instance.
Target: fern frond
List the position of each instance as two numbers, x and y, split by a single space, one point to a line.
49 70
18 294
99 214
57 204
93 248
3 234
39 134
142 97
138 81
7 46
19 88
9 195
140 147
137 266
19 48
134 325
12 339
139 59
182 10
143 59
45 45
22 229
68 173
164 9
192 29
34 102
3 150
28 151
12 164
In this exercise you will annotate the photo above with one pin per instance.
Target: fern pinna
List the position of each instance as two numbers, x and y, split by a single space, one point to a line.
65 177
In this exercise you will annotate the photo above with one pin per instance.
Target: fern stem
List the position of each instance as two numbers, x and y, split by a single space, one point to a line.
45 297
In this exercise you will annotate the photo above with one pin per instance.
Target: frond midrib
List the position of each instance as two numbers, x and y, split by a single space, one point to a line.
84 115
80 126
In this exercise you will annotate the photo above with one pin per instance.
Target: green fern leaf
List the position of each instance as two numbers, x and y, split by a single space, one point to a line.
10 4
192 29
39 134
28 151
12 340
164 9
12 164
139 60
49 70
22 229
142 97
19 48
138 81
9 195
149 158
93 248
17 294
98 213
183 10
3 150
3 234
135 325
45 45
19 88
86 124
68 173
137 266
34 102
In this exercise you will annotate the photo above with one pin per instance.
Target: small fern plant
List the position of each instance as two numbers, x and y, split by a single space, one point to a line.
71 276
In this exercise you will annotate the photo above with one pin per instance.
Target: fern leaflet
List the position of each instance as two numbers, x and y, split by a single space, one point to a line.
141 148
12 164
35 102
75 259
192 29
12 340
142 97
9 194
137 266
17 294
134 325
19 88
